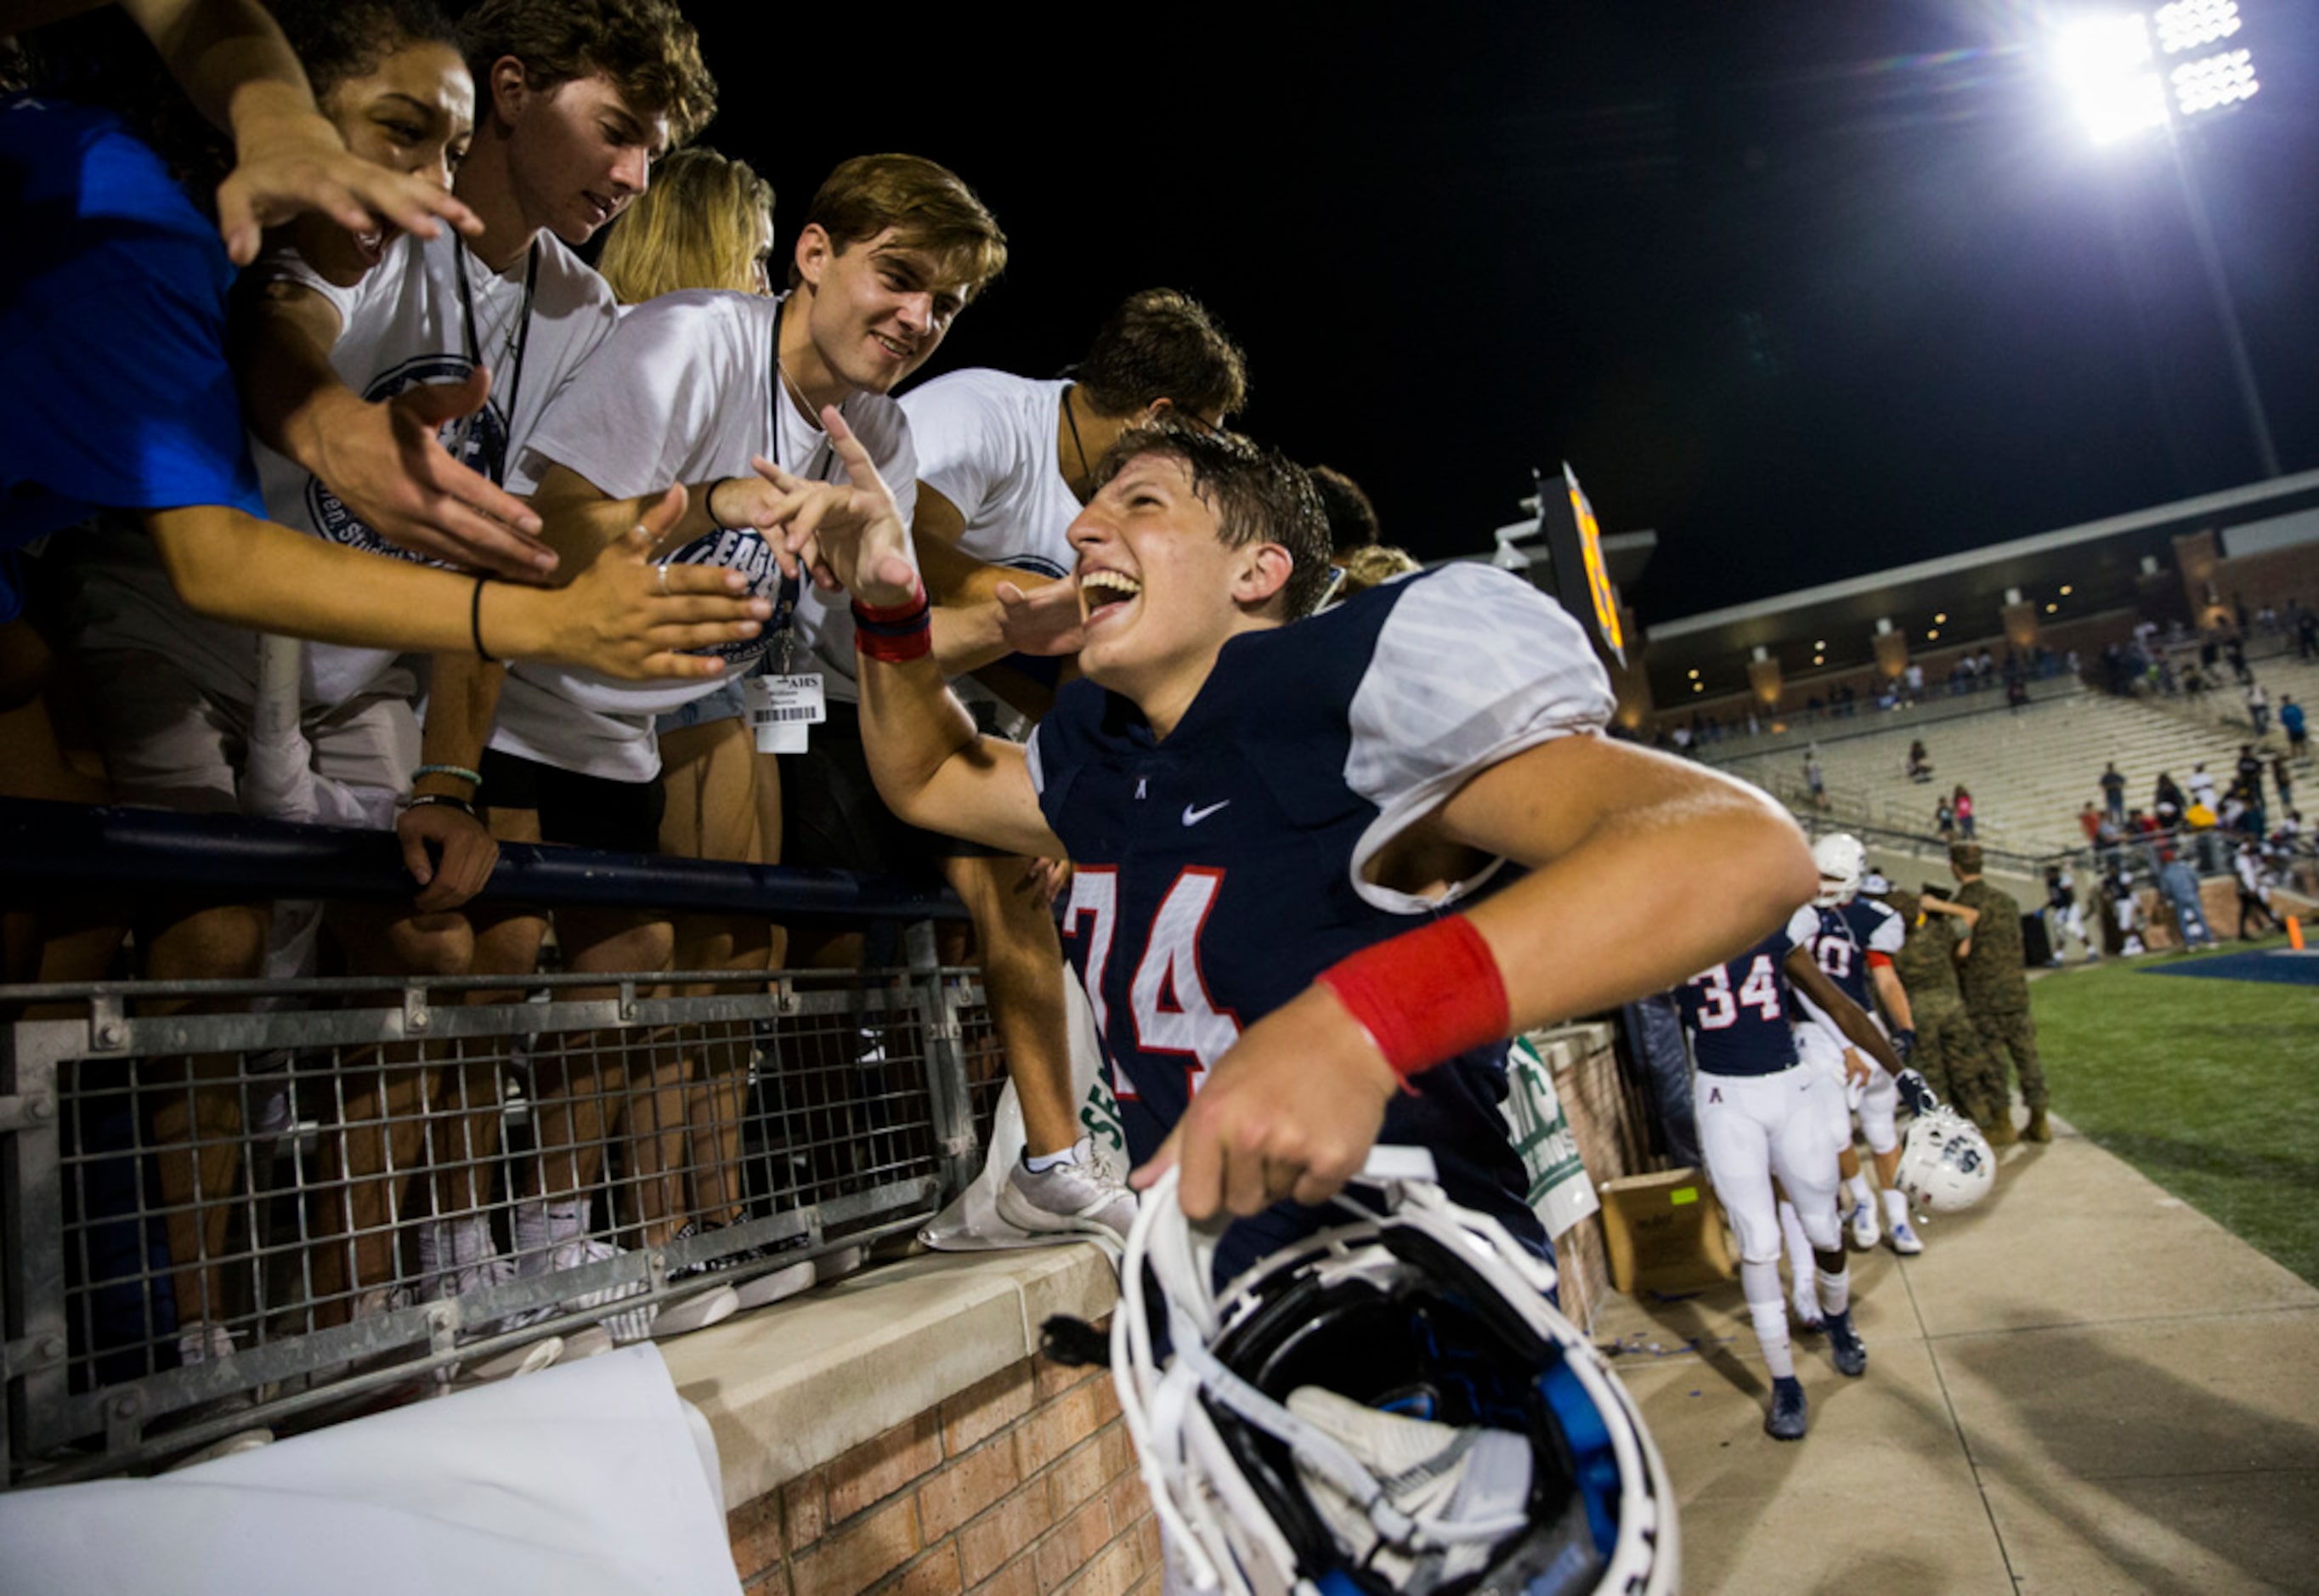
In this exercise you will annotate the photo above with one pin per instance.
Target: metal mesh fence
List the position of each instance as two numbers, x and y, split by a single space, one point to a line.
372 1191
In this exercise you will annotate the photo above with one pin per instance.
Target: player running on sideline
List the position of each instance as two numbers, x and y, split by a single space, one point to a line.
1260 813
1761 1117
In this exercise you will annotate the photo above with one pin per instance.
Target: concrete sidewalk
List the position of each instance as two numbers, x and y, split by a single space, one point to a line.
2081 1385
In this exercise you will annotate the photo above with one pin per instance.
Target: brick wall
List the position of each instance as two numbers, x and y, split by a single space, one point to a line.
1022 1485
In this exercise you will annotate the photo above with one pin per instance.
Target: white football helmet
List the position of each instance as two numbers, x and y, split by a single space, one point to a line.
1389 1405
1842 861
1945 1162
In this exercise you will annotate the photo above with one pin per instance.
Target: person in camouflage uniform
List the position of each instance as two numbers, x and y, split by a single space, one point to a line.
1996 987
1948 1052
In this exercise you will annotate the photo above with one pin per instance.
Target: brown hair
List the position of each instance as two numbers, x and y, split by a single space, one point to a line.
646 47
1966 857
1258 496
694 228
1352 518
1160 343
925 203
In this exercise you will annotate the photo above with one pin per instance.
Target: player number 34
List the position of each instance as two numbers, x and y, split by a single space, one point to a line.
1718 1005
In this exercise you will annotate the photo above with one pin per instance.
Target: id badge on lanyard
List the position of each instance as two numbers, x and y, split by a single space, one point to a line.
781 705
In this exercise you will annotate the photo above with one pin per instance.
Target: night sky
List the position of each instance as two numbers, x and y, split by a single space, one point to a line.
1809 293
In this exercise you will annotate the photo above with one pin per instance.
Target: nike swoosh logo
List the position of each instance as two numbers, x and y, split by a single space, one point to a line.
1194 817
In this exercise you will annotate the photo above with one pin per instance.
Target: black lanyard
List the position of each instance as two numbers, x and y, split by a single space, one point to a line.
785 605
775 397
522 342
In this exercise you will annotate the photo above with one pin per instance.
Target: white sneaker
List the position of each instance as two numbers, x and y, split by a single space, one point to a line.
1864 1226
1904 1238
1083 1196
1435 1473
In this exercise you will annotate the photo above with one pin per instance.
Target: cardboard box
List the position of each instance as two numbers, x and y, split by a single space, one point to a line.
1665 1233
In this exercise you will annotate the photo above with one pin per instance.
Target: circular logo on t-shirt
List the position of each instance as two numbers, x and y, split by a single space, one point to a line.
742 549
477 441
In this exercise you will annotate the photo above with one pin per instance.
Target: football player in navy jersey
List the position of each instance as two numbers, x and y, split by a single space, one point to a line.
1270 824
1855 944
1761 1118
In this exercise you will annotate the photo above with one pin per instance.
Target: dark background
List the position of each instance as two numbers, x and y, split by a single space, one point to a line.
1807 292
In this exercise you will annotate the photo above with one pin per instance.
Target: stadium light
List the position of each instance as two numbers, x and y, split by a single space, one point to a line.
2111 68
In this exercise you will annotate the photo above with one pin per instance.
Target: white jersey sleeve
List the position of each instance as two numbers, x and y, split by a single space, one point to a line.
1889 935
1472 667
1802 926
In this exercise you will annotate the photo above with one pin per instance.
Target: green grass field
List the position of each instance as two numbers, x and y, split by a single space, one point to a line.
2210 1087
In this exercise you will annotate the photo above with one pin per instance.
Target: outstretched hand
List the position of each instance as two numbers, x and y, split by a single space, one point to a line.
1289 1112
293 164
1044 621
629 616
846 535
393 470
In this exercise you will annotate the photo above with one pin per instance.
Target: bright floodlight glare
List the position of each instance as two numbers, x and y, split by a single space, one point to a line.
2213 82
2188 23
2105 63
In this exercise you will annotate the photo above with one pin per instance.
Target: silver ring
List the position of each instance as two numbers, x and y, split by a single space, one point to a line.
663 578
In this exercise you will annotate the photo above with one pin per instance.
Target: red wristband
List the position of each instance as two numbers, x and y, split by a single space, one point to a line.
1424 995
895 633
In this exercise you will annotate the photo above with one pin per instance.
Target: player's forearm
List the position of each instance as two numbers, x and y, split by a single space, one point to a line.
1893 996
936 771
1653 896
1862 1033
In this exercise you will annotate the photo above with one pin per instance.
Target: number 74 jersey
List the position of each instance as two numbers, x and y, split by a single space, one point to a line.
1219 870
1742 1014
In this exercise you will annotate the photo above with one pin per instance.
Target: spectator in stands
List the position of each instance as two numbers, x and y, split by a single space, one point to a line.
2258 706
2200 820
1913 680
2290 717
1920 763
2178 883
2202 785
2249 769
707 222
2113 786
2234 655
1944 818
2306 635
1815 779
2089 821
578 101
891 250
2167 801
1963 805
2283 781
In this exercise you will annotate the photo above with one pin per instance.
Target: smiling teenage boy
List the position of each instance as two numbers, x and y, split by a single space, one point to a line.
692 388
358 372
1278 827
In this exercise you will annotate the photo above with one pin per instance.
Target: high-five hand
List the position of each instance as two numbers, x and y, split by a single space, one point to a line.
848 534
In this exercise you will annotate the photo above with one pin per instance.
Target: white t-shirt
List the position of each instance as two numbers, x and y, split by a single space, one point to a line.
404 324
986 442
685 391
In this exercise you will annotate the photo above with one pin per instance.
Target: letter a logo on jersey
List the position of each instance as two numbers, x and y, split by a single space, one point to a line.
1715 1093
